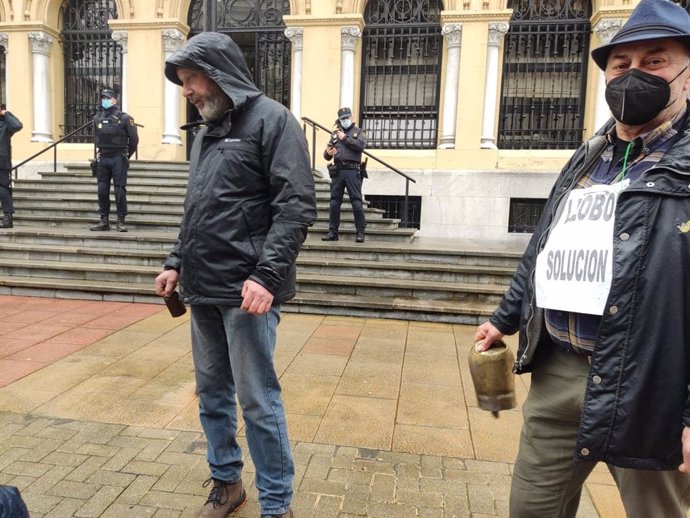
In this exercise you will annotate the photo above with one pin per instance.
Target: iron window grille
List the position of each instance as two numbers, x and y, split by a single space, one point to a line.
545 60
524 214
402 52
93 61
393 208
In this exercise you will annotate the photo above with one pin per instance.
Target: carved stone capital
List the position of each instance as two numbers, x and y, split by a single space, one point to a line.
452 33
349 36
497 30
296 36
172 39
40 42
120 37
607 29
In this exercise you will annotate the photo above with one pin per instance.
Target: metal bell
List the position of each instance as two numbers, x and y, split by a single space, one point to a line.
493 378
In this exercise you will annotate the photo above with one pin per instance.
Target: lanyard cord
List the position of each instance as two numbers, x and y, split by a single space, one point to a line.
621 175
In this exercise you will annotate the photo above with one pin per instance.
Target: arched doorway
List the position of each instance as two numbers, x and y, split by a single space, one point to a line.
401 71
92 59
545 58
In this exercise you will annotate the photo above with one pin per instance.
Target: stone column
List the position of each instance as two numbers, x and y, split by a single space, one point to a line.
605 29
453 35
172 40
496 32
348 40
295 35
4 44
120 37
40 50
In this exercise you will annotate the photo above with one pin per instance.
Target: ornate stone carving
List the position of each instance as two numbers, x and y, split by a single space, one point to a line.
40 42
453 34
120 37
172 40
607 29
296 36
496 31
349 36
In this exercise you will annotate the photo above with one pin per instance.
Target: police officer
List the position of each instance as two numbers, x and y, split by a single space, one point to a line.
345 148
116 140
9 125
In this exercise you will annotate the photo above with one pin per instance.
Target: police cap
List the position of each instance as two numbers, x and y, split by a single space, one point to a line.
344 113
109 93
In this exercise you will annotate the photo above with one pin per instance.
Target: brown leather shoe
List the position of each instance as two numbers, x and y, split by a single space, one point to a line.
223 499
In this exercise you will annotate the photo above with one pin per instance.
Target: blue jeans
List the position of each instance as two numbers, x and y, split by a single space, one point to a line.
233 356
11 503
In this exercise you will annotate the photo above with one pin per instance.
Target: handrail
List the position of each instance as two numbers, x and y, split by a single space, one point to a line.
315 125
15 169
53 146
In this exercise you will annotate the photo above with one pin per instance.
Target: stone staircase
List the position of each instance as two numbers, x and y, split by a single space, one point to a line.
51 252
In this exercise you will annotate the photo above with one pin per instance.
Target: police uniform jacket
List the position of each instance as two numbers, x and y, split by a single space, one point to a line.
635 410
9 125
115 132
349 150
250 196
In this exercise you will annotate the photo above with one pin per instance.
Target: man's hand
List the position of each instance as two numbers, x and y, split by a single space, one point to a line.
331 150
685 467
340 134
166 282
255 298
489 334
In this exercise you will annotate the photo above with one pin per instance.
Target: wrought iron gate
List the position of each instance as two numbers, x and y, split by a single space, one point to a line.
93 60
544 75
402 47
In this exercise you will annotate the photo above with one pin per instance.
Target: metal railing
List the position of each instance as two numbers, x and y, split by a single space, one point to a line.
53 146
315 126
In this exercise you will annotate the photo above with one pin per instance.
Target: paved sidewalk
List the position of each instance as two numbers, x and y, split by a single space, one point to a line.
98 417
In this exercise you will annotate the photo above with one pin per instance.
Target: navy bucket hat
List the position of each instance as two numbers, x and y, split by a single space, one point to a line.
650 20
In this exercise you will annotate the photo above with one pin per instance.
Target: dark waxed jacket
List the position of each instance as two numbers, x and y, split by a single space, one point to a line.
634 416
349 149
9 125
250 196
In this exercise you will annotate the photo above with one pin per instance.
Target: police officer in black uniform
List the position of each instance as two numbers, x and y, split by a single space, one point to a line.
116 140
345 148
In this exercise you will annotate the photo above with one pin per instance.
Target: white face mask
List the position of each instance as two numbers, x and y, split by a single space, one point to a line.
346 123
107 103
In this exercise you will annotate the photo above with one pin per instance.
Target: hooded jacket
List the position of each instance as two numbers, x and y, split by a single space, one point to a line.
250 195
637 397
9 125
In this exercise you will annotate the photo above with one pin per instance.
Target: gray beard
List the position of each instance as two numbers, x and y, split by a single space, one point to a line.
215 107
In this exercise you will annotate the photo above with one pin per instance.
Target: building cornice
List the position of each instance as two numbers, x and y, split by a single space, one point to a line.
356 20
28 27
611 12
502 15
160 23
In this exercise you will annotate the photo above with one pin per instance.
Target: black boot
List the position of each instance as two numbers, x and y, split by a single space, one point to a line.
7 221
103 225
331 236
120 225
359 237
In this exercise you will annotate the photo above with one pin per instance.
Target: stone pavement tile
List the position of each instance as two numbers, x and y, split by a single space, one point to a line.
378 380
335 346
13 370
307 394
70 318
81 336
120 344
118 510
607 500
495 439
159 323
418 369
370 422
48 351
99 502
175 385
29 317
439 406
432 441
8 327
187 418
425 342
339 332
37 332
318 364
376 350
145 362
302 427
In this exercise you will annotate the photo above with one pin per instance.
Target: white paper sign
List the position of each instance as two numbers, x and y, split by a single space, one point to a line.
573 271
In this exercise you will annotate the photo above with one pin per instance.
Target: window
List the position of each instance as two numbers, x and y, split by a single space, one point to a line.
524 214
393 207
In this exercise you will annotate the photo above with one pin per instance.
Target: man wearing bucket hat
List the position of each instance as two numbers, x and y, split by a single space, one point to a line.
602 294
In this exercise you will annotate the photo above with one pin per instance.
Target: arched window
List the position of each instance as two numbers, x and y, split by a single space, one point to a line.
402 52
92 60
257 26
545 60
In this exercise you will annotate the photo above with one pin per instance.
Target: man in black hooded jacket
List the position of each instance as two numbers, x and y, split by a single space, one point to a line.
250 199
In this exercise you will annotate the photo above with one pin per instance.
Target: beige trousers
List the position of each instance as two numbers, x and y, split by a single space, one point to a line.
547 482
